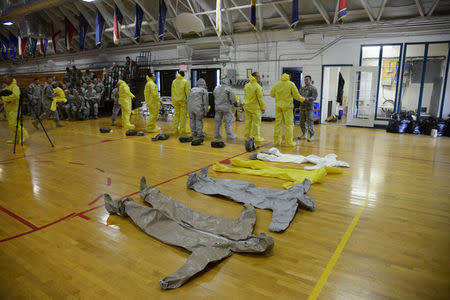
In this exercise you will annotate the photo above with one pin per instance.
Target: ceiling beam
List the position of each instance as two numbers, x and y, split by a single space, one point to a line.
175 15
433 7
240 11
259 12
322 11
336 12
420 7
368 9
226 3
380 12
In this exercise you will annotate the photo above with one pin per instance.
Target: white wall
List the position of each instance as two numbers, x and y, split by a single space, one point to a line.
268 58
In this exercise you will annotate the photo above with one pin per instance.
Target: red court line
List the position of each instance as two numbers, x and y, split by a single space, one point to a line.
109 181
83 216
23 221
100 170
76 163
96 199
38 228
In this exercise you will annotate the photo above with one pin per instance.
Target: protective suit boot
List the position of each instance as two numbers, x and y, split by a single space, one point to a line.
259 139
291 144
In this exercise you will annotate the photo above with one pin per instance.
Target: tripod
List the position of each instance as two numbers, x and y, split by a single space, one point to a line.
20 118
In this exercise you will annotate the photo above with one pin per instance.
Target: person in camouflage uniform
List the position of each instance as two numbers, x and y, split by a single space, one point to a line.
116 107
307 109
34 98
92 99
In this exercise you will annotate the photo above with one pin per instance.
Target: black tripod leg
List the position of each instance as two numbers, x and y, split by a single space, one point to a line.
21 123
43 128
17 125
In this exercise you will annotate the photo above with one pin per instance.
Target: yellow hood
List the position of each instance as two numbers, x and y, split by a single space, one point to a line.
148 78
252 79
179 76
121 81
285 77
14 82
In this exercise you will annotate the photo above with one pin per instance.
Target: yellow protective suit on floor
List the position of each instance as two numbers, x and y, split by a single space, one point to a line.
60 97
11 105
253 104
180 91
152 100
284 91
259 168
125 97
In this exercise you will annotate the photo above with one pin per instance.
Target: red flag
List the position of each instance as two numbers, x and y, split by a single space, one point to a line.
54 34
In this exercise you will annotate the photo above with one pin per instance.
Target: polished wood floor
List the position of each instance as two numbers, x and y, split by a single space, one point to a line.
381 229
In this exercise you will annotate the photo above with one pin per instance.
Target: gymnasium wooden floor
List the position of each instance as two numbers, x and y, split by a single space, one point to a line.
381 229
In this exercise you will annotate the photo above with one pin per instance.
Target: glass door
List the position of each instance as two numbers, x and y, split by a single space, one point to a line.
362 96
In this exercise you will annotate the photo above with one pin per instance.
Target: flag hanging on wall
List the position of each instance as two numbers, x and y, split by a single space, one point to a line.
33 46
117 22
99 24
219 17
54 35
342 12
253 13
83 30
162 19
13 45
69 29
5 46
138 23
43 46
294 15
21 44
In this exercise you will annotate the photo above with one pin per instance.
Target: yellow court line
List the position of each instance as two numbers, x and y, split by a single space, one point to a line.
334 258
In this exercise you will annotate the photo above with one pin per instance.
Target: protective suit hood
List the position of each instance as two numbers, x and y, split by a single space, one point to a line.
14 82
179 76
121 81
201 83
252 79
225 80
148 78
285 77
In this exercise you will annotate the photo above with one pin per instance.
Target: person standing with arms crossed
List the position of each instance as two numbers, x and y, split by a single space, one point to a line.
254 106
307 109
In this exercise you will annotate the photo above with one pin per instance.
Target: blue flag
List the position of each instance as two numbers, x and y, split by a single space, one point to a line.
138 23
5 47
162 19
83 31
99 24
294 15
44 43
13 42
33 46
253 14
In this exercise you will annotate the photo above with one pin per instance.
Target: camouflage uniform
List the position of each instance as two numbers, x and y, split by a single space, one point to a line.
307 109
92 99
116 107
34 97
47 99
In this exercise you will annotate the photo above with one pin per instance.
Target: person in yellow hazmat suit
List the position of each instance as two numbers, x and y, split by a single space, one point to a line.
152 100
284 91
254 106
11 105
180 92
60 97
125 97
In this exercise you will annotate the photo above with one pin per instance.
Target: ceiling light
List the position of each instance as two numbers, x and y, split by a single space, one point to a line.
8 23
88 0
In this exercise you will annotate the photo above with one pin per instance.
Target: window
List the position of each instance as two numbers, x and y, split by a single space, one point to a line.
387 59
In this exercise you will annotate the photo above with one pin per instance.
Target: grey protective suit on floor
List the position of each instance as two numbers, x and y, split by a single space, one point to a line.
198 102
224 98
208 238
116 107
283 203
47 99
34 97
